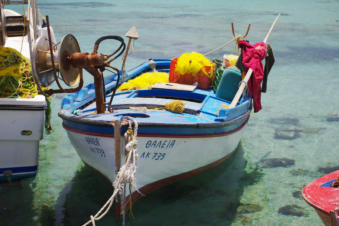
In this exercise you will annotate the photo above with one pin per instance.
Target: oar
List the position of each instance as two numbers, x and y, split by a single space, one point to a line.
250 71
131 34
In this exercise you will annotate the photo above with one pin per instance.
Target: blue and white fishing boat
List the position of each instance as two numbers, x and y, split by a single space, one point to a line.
201 129
170 146
155 135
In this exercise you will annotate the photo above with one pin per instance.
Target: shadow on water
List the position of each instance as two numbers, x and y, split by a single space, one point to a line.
89 191
17 205
16 197
210 198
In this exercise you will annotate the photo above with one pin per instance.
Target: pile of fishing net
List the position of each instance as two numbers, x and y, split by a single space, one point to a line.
145 81
191 68
193 63
16 79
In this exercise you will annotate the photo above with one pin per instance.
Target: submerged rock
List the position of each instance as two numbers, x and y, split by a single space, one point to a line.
312 130
293 133
333 118
276 162
292 210
297 194
328 169
287 134
285 121
249 208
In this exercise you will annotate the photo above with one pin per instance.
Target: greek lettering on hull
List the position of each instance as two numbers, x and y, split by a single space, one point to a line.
160 144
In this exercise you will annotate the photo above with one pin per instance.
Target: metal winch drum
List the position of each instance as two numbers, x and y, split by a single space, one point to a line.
61 56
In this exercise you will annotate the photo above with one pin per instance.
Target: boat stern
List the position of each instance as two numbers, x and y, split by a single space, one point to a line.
22 121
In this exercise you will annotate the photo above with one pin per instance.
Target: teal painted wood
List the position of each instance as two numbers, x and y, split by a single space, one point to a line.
229 84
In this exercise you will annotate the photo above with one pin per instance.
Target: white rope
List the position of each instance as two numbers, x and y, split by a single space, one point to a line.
127 171
220 47
125 175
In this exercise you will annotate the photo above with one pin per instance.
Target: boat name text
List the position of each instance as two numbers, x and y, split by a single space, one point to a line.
92 140
160 144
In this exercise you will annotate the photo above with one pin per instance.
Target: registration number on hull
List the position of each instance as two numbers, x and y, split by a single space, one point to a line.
157 149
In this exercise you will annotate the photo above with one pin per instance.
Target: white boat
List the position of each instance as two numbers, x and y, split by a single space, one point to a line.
170 146
105 126
22 117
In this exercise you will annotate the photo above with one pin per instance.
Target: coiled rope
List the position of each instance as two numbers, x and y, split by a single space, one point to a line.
126 174
176 106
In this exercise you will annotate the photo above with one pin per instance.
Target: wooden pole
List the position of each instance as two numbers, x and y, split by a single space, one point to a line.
117 149
126 54
117 140
250 71
131 34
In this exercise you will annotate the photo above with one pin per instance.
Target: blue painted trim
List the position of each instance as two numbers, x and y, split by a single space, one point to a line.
184 130
170 93
24 169
108 130
328 184
18 173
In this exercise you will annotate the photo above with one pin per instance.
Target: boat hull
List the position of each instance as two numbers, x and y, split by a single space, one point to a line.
325 217
21 126
162 158
324 198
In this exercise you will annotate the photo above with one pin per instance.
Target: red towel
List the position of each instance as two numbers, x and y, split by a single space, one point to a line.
252 55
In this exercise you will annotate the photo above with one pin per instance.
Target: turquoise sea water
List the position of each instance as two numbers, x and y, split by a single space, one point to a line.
291 142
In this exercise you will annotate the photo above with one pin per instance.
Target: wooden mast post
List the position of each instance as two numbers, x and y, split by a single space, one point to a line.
117 149
132 34
117 146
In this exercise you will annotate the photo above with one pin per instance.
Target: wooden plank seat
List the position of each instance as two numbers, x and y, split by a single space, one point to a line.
190 107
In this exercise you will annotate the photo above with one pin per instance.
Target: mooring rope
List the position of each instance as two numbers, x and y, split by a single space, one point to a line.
126 174
220 47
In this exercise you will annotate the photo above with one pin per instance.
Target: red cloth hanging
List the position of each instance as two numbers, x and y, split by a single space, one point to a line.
252 55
